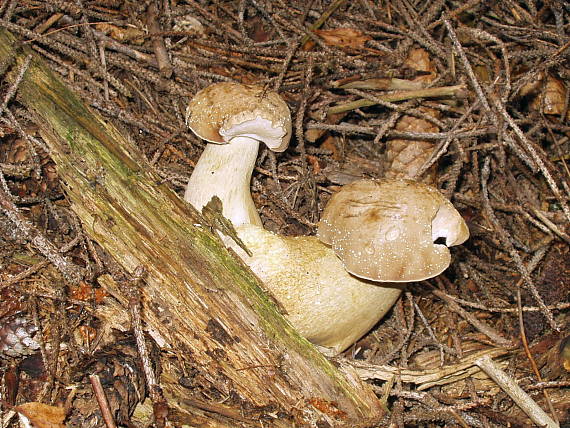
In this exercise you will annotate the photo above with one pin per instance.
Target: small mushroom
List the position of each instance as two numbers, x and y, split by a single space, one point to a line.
236 118
388 230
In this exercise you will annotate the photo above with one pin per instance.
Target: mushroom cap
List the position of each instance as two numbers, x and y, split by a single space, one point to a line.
385 230
226 110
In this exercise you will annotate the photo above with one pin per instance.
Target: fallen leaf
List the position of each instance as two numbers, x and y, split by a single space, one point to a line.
42 415
554 97
419 59
86 293
565 352
330 143
343 37
314 162
130 34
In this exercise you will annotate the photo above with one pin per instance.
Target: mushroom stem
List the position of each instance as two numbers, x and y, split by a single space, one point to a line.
224 170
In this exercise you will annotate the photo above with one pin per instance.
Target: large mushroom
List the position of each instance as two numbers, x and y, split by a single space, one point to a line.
387 230
336 289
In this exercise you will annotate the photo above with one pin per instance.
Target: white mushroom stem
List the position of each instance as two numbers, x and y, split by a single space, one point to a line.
224 170
519 396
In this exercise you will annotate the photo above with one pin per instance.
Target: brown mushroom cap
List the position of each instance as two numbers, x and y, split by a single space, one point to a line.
226 110
385 230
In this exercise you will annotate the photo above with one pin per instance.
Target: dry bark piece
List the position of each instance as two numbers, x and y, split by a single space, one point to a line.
386 230
428 377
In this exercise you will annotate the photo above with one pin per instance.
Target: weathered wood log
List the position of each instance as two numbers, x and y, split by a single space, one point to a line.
208 310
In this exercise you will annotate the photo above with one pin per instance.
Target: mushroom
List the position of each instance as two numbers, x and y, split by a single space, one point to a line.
387 230
333 287
236 118
373 237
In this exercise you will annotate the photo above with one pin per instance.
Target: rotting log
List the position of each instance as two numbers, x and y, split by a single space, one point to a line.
207 309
